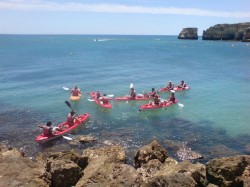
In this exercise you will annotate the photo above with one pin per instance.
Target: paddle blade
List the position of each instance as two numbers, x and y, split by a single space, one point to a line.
68 104
131 85
172 91
67 138
91 100
180 105
65 88
111 95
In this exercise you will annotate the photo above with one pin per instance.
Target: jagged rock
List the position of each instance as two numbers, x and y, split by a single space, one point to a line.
196 171
110 175
106 168
175 180
149 169
189 33
64 173
229 171
246 35
81 161
225 32
113 153
148 152
17 170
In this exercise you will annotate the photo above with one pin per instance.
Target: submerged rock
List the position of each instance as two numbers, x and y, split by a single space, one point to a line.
83 139
189 33
185 153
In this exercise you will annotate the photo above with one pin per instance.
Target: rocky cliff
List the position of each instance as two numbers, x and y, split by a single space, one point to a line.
188 33
227 32
106 166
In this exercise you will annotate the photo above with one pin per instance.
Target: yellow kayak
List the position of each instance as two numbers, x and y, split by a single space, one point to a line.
75 98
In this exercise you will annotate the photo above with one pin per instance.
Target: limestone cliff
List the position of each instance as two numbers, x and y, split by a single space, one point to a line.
226 32
189 33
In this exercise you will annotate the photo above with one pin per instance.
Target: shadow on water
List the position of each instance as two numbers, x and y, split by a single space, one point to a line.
18 128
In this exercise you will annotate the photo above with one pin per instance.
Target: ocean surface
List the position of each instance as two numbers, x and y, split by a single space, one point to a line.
214 120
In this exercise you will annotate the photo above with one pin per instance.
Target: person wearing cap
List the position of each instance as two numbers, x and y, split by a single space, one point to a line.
182 85
132 94
47 129
71 118
76 91
104 99
169 86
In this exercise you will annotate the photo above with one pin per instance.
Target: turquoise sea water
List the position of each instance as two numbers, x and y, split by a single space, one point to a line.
33 70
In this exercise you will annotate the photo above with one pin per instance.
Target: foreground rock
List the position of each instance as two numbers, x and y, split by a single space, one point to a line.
229 171
17 170
106 166
189 33
227 32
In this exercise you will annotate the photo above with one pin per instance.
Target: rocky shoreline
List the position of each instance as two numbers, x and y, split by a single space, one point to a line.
235 32
107 166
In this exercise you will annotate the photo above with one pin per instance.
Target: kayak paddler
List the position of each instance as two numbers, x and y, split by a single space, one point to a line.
169 86
182 85
76 91
71 118
47 129
104 99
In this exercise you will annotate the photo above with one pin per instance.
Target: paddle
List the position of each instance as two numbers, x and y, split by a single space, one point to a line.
91 100
65 88
67 138
69 105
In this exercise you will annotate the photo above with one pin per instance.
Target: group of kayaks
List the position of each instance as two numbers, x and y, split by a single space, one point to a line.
139 97
63 128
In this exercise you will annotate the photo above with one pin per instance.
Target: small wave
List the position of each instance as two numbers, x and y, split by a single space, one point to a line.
102 40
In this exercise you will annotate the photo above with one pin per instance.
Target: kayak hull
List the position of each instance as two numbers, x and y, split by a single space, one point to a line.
175 89
162 105
75 98
93 94
64 129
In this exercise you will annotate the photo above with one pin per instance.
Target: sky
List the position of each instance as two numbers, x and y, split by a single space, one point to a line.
120 17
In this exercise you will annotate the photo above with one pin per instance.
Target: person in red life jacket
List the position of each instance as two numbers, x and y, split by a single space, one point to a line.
169 86
47 129
182 85
152 94
97 94
132 94
76 91
172 98
104 99
71 118
157 101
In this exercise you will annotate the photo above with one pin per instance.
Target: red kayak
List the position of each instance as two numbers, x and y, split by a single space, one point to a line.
137 98
93 94
175 89
63 128
161 105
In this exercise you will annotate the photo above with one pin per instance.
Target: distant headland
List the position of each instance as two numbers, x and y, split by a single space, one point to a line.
236 32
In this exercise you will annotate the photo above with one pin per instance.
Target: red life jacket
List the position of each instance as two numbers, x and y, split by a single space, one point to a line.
47 131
